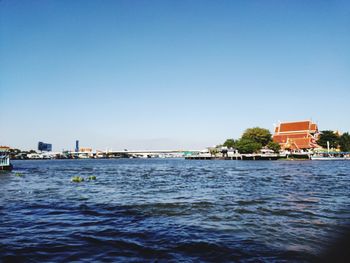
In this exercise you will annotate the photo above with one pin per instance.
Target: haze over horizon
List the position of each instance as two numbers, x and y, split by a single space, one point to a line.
168 74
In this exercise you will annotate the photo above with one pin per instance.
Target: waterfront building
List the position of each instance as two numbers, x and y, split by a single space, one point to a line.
44 147
5 158
85 150
77 145
298 135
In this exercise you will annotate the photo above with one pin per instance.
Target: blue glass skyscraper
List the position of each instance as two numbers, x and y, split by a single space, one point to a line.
77 145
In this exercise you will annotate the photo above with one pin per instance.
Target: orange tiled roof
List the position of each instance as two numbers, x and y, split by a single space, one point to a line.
295 126
296 135
313 127
282 138
300 143
4 147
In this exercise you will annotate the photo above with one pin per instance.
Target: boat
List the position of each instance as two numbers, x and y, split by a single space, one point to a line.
5 164
331 156
260 157
299 156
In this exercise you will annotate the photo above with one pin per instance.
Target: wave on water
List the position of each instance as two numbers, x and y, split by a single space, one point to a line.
171 210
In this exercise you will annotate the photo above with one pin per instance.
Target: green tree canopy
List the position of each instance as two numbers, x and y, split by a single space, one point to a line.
274 146
230 143
213 151
248 146
329 136
344 142
258 135
15 151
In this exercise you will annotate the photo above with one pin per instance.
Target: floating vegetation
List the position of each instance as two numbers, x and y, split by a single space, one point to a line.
77 179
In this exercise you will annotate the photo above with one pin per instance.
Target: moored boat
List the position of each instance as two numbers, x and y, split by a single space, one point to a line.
5 164
331 156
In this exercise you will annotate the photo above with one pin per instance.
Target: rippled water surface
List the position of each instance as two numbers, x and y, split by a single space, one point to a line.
172 210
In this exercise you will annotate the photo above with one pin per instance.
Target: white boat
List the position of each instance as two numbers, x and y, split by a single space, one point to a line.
330 157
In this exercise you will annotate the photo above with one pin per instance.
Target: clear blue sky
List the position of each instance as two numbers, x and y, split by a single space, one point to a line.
169 74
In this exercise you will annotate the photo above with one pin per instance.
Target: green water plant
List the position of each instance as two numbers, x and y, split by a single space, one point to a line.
92 178
77 179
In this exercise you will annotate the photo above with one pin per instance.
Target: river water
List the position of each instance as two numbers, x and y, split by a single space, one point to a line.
161 210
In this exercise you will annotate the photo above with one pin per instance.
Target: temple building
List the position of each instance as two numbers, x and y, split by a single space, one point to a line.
299 135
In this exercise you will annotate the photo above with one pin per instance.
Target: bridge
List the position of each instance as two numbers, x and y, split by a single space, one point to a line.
133 153
148 153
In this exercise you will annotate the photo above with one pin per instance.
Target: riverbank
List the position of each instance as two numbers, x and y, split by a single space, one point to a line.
254 157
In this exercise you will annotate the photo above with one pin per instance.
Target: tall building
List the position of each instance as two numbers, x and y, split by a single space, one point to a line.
77 146
298 135
44 147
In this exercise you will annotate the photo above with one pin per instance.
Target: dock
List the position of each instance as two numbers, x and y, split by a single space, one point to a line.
253 157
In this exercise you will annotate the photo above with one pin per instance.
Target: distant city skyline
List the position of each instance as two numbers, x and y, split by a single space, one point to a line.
168 74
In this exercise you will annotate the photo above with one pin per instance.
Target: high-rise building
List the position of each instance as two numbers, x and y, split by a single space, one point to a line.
77 145
44 147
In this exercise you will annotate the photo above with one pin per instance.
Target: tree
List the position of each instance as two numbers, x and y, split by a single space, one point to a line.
344 142
230 143
258 135
14 152
274 146
248 146
328 136
213 151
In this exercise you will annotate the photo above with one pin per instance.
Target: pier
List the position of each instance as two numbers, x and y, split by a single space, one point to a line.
133 154
253 157
5 158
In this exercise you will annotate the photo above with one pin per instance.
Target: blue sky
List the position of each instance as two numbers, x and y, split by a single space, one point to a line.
169 74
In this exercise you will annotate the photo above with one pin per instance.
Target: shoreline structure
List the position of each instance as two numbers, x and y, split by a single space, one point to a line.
291 140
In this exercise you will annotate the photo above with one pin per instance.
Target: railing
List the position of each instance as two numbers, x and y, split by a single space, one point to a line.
4 160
